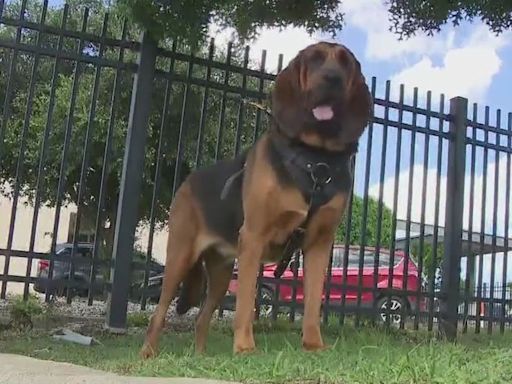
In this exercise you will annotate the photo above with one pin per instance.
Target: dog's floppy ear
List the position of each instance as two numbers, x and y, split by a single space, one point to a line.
287 95
287 84
359 106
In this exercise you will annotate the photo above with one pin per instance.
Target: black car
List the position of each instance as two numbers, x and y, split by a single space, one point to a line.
80 282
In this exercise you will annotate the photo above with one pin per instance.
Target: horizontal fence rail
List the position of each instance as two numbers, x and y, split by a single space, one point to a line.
425 240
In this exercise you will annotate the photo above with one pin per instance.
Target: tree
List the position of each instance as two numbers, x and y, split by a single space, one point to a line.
371 224
78 118
409 16
190 19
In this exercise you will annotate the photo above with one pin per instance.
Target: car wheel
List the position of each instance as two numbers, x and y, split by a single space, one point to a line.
396 305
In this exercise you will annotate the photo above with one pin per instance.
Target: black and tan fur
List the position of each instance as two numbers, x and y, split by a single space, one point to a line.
264 206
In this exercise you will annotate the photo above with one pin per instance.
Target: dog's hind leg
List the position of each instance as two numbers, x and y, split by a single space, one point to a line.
193 289
219 272
181 257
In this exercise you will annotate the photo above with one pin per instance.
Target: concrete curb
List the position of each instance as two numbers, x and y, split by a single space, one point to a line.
16 369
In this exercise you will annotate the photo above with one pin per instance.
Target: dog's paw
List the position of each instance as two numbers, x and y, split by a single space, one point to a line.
244 348
314 347
244 351
148 352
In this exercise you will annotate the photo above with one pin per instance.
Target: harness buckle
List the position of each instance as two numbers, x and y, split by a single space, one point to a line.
320 173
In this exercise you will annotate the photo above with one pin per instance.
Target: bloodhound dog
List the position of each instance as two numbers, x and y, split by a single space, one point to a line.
296 179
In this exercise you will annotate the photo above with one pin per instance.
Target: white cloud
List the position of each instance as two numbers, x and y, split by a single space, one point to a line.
371 16
477 200
288 42
467 70
416 203
430 202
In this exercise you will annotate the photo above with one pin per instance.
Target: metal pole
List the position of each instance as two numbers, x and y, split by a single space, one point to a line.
452 254
130 187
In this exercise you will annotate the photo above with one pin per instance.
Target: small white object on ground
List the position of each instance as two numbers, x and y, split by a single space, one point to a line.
73 337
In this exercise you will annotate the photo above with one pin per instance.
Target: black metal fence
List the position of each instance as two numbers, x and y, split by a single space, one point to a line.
106 125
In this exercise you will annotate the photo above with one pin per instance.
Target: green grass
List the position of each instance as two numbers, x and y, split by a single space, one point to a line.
357 356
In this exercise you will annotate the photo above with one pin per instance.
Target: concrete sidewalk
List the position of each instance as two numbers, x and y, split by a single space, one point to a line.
15 369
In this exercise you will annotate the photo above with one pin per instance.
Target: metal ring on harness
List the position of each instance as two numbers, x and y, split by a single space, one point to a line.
319 178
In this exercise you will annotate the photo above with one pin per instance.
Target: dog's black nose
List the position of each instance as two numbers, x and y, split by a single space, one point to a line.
334 79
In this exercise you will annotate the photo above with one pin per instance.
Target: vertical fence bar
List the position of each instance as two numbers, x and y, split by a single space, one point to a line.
469 285
275 293
106 167
391 269
181 135
261 87
364 216
241 104
506 228
482 223
131 179
494 223
407 253
164 122
380 206
84 170
421 248
204 105
37 200
64 159
454 214
21 154
347 250
222 114
435 240
8 90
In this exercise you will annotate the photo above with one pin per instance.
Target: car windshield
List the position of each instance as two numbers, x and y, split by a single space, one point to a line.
369 258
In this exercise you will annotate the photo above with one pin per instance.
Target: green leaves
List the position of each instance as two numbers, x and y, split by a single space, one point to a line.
189 19
410 16
371 223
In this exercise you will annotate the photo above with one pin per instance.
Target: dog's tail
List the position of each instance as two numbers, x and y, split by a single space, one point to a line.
192 289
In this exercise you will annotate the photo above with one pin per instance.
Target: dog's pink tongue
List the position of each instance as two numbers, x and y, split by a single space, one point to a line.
323 112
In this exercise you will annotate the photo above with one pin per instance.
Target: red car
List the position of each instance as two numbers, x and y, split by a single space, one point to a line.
367 297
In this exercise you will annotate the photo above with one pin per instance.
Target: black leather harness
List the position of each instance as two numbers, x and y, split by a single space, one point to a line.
319 174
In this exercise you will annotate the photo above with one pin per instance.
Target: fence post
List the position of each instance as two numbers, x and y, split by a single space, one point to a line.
450 285
131 179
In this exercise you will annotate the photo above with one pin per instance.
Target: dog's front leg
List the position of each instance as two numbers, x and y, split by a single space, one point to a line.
316 260
250 250
317 249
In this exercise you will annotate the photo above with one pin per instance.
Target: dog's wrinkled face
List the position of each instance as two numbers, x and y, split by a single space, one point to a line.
322 92
325 76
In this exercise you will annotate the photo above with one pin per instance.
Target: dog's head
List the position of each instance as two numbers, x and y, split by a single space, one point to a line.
322 95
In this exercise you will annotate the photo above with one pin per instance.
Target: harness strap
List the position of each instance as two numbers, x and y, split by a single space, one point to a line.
296 239
229 182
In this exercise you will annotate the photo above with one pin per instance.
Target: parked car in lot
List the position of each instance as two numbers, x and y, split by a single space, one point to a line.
80 282
368 298
350 278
